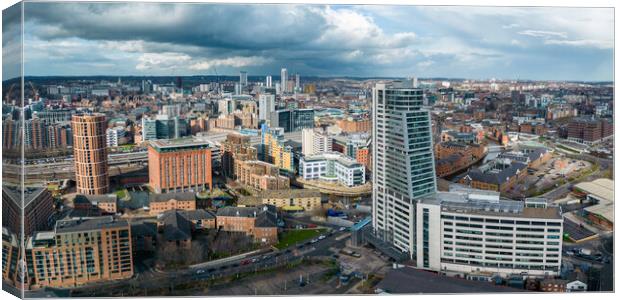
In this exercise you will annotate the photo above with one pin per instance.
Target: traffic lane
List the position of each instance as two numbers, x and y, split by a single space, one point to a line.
273 258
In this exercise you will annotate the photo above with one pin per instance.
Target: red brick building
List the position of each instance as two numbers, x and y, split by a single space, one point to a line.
179 165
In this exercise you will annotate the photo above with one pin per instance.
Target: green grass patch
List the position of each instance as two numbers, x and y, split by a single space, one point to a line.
292 237
121 194
566 149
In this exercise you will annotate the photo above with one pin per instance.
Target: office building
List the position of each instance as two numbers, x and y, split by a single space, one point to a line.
164 127
403 169
297 82
471 231
283 81
268 80
314 141
293 120
266 105
90 153
180 165
80 251
332 167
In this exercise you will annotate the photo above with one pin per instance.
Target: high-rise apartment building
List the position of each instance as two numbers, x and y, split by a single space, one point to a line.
403 169
266 105
268 82
243 78
90 153
80 251
315 141
283 80
181 165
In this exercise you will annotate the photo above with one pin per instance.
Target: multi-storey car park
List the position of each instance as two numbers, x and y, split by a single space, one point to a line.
471 231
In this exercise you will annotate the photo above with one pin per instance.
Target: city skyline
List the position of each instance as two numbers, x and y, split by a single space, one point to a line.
120 39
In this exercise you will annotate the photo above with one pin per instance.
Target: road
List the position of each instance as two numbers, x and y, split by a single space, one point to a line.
61 168
148 278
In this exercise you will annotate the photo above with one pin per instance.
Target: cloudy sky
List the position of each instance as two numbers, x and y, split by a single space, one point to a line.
202 39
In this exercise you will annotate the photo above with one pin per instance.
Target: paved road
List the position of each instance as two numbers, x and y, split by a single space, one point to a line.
150 278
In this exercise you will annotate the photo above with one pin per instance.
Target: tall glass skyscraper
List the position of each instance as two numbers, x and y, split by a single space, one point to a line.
403 163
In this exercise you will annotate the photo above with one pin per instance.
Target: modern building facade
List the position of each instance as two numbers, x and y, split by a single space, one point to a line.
275 150
37 208
314 141
260 175
266 105
333 167
403 169
283 80
90 153
114 135
80 251
468 231
293 119
181 165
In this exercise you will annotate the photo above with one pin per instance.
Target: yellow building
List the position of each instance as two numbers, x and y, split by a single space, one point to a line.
277 153
307 199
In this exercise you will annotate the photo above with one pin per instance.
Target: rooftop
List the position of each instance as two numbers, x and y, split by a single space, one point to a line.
336 156
183 196
481 202
399 281
30 194
179 144
80 225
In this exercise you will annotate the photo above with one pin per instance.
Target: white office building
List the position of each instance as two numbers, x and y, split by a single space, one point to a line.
469 231
403 163
266 105
333 167
268 81
315 141
113 135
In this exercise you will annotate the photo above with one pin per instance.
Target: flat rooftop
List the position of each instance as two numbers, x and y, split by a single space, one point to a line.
601 188
408 280
173 144
80 225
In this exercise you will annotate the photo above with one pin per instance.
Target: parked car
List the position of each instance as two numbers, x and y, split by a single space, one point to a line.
200 271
